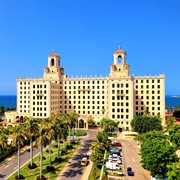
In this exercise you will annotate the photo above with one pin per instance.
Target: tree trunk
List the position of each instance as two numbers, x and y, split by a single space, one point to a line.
58 146
31 151
41 160
73 133
69 136
18 158
50 153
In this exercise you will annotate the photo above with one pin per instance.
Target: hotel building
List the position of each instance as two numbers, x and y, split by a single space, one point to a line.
118 96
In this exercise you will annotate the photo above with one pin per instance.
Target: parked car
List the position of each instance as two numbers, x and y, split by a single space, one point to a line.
112 166
115 161
115 150
116 143
129 171
156 178
114 156
89 153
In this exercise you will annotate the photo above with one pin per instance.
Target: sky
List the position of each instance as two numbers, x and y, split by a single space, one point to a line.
85 33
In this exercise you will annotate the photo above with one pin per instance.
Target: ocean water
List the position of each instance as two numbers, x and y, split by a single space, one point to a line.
10 101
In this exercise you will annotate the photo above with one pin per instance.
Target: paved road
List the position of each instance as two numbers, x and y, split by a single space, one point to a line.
74 170
7 169
131 157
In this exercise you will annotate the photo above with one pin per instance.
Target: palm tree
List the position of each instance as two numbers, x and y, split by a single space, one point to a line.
67 120
19 137
3 142
41 141
51 135
60 130
32 130
73 118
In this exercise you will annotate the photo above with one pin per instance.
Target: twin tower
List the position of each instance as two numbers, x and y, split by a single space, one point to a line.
120 68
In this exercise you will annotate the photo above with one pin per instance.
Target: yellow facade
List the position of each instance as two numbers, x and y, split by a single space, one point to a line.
119 96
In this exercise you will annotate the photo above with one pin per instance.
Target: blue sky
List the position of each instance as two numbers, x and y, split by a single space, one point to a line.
85 33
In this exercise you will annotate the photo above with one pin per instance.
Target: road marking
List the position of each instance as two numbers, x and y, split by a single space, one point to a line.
6 166
15 167
133 159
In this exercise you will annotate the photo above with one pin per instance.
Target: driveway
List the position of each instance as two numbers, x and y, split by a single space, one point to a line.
131 158
74 170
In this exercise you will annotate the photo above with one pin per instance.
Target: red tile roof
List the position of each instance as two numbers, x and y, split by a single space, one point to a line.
54 54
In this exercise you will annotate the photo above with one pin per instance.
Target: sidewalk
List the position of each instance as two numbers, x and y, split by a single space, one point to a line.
87 171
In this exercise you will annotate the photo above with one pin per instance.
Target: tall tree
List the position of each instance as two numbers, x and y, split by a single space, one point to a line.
90 121
150 136
170 122
31 125
73 119
174 135
156 154
173 171
3 142
18 136
67 120
42 140
60 129
2 110
108 124
176 112
145 123
100 144
51 135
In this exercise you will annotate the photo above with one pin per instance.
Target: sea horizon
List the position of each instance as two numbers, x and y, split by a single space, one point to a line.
9 101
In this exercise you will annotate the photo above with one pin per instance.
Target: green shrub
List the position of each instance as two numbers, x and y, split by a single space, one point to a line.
81 133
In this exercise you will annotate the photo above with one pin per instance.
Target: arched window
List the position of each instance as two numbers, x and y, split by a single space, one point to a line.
52 62
119 59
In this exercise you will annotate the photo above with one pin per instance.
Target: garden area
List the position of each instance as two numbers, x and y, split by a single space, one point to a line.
58 165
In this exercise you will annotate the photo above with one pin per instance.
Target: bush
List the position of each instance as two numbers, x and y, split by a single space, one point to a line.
81 133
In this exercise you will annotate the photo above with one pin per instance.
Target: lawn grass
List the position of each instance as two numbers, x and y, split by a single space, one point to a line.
31 174
95 172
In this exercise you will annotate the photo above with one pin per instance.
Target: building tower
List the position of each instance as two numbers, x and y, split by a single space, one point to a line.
53 69
120 68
